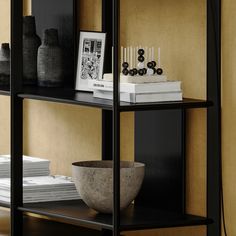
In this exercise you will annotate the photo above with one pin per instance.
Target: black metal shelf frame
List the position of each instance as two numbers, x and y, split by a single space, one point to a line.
111 118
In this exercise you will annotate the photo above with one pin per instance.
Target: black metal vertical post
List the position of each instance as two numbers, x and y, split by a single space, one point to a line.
16 117
75 35
107 28
107 135
116 120
214 116
107 115
183 141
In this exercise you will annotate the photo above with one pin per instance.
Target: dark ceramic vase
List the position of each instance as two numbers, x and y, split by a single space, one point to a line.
50 65
31 43
5 64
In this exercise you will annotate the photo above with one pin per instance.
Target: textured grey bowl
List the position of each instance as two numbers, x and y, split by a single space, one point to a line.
93 180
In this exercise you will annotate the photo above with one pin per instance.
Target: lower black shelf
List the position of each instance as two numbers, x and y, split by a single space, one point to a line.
5 205
37 227
134 218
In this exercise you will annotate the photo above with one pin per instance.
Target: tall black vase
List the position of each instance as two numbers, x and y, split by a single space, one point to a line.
5 64
50 65
31 43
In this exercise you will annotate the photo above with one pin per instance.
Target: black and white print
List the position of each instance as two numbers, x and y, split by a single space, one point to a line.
91 59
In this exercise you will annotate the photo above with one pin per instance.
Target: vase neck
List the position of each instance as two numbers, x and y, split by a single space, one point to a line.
50 37
29 27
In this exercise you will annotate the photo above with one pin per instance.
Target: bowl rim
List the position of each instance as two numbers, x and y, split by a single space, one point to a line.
136 164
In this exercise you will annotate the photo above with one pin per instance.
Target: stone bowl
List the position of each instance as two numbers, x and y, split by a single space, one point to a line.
93 180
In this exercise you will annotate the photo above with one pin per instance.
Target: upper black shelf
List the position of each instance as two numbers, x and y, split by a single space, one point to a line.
134 218
70 96
5 90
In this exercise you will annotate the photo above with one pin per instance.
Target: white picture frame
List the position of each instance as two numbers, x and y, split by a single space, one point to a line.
90 59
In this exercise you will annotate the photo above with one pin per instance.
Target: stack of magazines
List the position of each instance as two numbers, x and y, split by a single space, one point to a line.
38 184
139 91
32 166
42 189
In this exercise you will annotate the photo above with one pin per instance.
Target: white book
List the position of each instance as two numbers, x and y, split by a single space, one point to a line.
137 79
168 86
141 98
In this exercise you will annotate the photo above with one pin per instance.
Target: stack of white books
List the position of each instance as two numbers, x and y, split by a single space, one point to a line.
42 189
159 91
32 166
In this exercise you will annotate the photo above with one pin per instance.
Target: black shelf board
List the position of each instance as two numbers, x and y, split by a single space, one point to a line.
4 204
186 103
5 90
36 227
64 95
134 218
70 96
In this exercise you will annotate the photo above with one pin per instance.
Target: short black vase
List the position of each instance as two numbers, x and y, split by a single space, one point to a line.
50 65
31 43
5 64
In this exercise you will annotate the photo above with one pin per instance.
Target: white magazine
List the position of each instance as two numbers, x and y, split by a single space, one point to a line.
32 166
41 182
42 189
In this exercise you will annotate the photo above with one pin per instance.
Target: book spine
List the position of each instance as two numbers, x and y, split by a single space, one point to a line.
141 98
138 88
97 85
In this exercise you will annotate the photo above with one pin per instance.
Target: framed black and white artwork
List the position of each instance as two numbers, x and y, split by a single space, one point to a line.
90 59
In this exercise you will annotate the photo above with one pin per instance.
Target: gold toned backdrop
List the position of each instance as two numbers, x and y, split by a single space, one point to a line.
66 133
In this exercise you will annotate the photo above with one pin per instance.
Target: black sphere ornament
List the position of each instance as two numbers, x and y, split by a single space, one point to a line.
141 59
135 71
141 72
159 71
141 52
131 72
154 64
125 65
125 71
144 71
150 65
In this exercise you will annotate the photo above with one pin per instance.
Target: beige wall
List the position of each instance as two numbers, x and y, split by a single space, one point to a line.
66 133
229 112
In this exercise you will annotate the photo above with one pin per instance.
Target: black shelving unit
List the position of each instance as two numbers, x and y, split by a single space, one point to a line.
161 201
